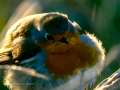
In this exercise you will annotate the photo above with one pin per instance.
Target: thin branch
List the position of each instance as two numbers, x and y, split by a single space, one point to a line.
111 83
24 70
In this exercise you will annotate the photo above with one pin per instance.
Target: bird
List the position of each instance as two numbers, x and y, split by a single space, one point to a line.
54 46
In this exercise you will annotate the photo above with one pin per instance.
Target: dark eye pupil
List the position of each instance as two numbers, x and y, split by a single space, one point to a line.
49 37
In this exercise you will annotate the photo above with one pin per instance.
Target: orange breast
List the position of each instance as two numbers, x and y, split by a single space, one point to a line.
67 59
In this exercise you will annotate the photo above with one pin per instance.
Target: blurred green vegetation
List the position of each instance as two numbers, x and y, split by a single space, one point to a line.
101 17
7 7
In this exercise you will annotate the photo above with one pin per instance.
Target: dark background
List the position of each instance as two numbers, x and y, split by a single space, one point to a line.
101 17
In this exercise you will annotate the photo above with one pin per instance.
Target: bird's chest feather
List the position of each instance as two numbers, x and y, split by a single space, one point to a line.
78 55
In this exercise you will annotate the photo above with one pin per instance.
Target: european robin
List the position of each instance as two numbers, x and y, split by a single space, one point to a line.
54 46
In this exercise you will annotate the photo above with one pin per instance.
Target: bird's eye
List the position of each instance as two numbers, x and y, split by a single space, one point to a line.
49 37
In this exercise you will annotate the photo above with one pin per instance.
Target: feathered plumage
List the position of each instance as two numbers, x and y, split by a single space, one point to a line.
54 46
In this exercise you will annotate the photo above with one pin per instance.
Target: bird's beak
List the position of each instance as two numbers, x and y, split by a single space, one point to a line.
64 40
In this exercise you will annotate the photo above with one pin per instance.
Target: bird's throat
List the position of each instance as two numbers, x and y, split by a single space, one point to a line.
77 56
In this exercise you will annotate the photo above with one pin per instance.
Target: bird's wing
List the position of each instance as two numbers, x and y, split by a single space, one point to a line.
18 41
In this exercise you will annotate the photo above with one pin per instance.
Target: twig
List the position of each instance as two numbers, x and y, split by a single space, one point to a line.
111 83
24 70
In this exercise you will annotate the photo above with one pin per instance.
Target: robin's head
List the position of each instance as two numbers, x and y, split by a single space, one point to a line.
57 34
65 52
